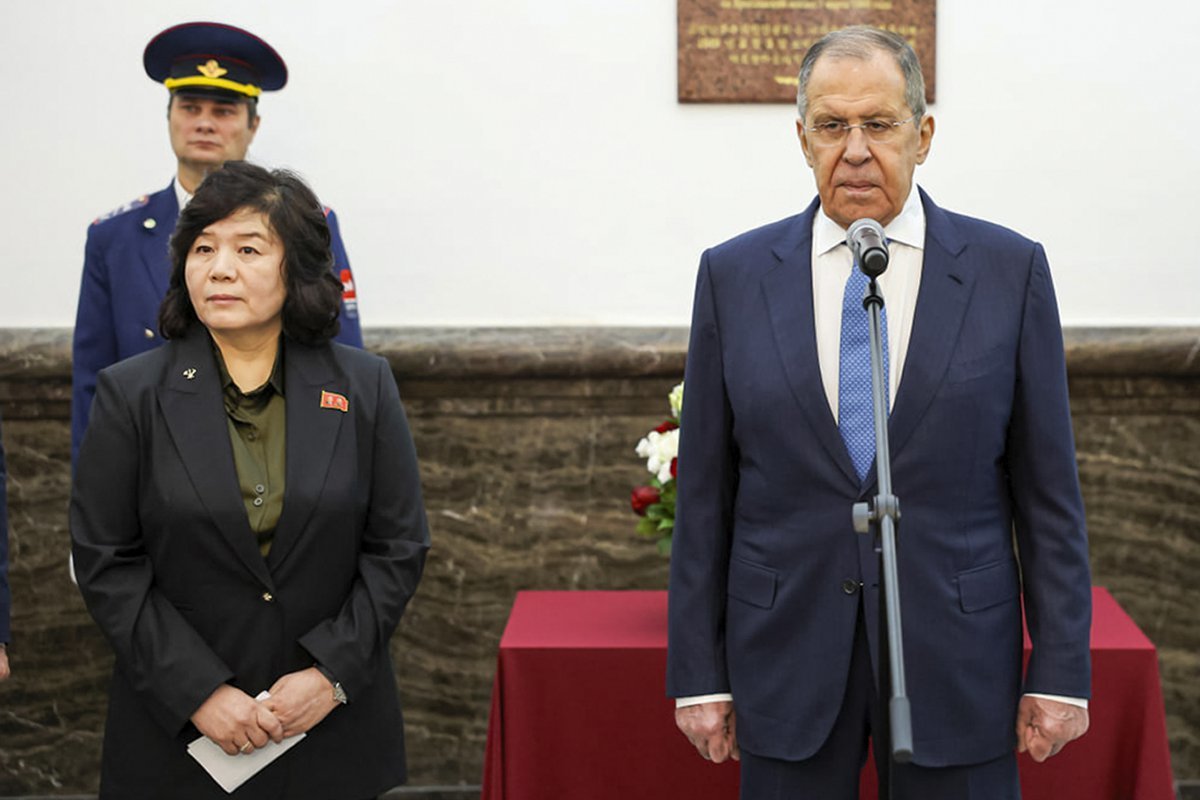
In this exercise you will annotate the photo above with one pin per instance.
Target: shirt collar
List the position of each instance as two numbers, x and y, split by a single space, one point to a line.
273 384
907 228
181 194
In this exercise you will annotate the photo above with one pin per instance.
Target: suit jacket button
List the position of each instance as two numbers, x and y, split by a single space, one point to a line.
268 597
149 334
850 586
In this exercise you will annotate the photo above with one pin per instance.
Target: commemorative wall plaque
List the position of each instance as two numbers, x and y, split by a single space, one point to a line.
749 51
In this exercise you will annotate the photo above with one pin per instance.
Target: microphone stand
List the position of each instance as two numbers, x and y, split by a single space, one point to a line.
882 515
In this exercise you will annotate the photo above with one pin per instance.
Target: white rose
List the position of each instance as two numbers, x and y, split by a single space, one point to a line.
659 450
676 399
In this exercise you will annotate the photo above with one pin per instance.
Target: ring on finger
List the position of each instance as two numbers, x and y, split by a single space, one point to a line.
246 748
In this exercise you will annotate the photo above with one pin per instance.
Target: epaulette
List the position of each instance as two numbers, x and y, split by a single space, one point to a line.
130 206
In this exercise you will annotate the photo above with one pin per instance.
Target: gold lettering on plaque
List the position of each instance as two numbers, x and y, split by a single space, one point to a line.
750 50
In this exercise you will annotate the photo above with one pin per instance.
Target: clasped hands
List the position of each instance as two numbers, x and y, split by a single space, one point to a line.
240 724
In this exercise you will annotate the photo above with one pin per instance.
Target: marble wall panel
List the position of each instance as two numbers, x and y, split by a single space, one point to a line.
1138 443
526 444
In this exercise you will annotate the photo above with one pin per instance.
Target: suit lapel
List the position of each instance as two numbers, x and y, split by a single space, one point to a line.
312 433
157 222
195 416
787 290
946 285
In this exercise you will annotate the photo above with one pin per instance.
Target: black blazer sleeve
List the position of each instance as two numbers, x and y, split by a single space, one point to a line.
391 553
165 659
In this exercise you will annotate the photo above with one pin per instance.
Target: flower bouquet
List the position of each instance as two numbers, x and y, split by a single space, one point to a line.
655 502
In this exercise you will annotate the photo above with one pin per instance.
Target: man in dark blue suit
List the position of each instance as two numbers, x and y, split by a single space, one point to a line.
774 640
215 74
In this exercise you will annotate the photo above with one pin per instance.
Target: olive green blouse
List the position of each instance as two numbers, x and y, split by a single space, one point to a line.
257 431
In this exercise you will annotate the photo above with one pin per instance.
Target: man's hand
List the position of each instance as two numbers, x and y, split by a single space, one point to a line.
300 700
4 670
712 728
237 723
1045 726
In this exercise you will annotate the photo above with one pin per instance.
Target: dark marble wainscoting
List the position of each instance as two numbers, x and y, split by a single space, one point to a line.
1135 400
526 441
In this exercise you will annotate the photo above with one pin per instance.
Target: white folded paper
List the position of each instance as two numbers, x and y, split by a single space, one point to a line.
232 771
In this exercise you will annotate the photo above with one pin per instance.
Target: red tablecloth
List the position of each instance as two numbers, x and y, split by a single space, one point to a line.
578 711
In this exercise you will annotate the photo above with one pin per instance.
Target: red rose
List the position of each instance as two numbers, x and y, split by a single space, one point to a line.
669 425
675 467
642 498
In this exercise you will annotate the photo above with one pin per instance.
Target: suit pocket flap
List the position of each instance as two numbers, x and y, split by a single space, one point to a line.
751 583
977 366
986 586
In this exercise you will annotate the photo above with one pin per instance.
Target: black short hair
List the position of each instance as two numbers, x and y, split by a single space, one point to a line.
313 294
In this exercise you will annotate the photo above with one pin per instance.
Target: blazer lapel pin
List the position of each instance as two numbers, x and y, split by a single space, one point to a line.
190 373
334 400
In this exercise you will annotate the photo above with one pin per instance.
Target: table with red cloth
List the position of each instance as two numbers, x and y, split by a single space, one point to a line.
579 711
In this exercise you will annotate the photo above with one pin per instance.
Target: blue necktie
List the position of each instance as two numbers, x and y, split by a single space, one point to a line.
855 414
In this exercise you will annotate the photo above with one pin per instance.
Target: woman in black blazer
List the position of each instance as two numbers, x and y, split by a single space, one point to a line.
247 517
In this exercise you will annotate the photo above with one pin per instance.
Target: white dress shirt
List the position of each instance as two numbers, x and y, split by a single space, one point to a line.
831 265
899 285
181 194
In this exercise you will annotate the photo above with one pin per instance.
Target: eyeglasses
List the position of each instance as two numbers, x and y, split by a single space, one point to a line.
878 131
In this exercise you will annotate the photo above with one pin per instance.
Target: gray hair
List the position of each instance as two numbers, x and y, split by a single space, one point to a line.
861 42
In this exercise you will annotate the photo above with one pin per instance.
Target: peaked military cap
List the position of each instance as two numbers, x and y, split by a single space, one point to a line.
214 59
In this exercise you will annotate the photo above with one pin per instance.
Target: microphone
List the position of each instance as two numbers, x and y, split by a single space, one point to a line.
866 242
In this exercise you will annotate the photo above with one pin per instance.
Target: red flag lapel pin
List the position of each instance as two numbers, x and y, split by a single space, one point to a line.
334 400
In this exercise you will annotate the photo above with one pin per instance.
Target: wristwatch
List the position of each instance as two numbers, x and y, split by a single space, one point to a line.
339 694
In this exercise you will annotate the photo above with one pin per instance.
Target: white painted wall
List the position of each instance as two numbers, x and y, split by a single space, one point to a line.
526 163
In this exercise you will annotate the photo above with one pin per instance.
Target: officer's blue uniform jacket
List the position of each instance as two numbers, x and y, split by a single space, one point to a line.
126 269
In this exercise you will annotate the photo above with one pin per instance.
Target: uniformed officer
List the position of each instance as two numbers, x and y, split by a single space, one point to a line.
215 74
